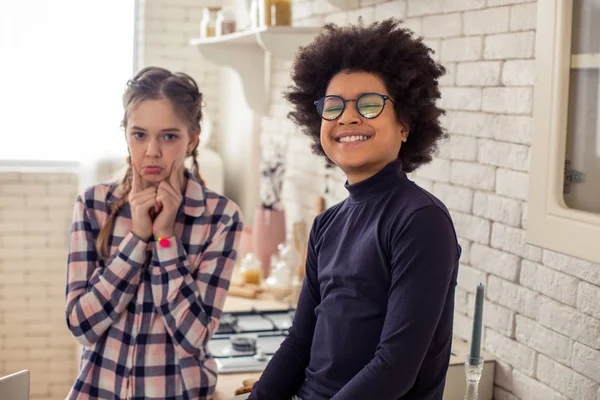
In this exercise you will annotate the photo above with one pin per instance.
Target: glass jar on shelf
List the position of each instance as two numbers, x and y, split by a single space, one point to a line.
281 12
225 22
208 24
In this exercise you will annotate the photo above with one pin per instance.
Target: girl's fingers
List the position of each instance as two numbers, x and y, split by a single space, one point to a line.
142 196
136 179
147 204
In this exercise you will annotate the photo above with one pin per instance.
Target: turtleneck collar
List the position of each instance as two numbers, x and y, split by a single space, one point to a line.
383 181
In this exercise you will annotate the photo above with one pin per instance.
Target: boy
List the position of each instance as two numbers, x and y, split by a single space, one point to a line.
374 318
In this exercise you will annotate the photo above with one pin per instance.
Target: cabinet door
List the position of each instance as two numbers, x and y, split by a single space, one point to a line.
581 189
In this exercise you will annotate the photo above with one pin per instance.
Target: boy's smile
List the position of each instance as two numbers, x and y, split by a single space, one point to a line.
361 146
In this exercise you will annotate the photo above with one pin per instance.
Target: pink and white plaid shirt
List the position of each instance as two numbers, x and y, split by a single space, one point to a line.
145 314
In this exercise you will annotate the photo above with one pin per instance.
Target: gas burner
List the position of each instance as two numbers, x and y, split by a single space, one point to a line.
246 341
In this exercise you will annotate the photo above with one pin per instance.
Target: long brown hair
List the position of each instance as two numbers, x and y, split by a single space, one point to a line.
152 83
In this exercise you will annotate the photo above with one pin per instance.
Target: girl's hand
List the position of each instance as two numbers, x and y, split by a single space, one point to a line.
141 203
169 199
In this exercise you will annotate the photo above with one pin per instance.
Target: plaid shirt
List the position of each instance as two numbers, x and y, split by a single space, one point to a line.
145 315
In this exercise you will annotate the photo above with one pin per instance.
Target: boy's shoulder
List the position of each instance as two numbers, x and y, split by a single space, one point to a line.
417 197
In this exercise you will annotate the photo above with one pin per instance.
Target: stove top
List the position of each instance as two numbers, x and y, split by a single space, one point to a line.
246 341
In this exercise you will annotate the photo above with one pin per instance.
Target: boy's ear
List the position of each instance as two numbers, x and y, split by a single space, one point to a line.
404 131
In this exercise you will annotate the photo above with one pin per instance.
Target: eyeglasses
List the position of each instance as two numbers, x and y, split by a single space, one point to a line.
369 105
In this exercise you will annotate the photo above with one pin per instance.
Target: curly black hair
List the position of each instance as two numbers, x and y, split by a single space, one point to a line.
385 49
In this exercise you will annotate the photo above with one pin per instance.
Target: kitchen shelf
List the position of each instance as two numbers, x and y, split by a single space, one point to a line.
582 61
249 53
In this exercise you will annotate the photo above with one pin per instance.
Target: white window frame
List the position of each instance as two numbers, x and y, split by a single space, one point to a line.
551 224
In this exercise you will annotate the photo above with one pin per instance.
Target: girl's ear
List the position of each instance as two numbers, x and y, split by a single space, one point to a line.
194 140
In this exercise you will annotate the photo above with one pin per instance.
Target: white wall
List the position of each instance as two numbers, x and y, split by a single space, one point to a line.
36 207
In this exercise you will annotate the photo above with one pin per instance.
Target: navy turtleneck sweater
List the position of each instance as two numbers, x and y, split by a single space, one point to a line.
374 318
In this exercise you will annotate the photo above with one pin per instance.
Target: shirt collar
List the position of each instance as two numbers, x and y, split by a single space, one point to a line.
193 196
383 181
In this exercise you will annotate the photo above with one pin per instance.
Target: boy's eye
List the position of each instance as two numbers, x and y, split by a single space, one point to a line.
371 106
170 136
138 135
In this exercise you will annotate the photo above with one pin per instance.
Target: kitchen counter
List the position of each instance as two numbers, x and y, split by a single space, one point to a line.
455 379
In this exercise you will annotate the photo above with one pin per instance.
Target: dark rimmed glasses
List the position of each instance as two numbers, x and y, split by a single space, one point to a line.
369 105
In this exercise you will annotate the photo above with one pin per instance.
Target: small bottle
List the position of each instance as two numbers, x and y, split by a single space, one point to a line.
251 270
264 12
281 12
280 281
208 25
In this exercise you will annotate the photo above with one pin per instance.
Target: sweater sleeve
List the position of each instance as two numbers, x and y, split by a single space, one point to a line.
285 372
424 258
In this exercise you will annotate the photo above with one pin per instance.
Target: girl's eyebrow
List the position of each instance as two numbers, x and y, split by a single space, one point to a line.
137 128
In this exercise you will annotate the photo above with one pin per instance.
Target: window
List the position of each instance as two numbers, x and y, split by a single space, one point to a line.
564 199
64 67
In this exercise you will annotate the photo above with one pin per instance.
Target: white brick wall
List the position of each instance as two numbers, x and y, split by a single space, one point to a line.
455 198
523 17
459 147
495 262
441 26
491 20
512 296
586 360
508 100
512 240
544 340
518 73
565 380
516 354
486 73
496 208
553 284
473 175
461 49
509 45
35 216
500 154
526 387
570 322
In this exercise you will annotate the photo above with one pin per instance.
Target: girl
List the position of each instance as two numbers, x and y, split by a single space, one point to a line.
150 258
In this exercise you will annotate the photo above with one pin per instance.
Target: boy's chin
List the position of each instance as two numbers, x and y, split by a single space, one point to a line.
361 166
353 165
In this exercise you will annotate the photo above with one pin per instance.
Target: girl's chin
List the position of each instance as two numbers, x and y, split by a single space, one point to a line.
153 180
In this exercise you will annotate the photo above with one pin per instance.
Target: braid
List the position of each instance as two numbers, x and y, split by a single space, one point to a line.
102 241
196 167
